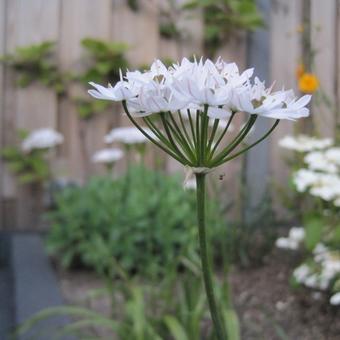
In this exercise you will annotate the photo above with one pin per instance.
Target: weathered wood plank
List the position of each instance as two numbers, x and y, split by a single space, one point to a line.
80 19
323 32
33 107
285 55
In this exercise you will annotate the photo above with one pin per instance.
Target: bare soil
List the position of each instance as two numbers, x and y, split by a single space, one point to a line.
268 306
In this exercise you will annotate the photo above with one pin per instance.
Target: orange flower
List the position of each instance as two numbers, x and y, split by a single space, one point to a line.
300 70
300 28
308 83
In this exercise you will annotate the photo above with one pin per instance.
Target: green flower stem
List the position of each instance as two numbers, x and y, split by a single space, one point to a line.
251 145
179 136
190 142
212 135
221 136
239 138
192 128
206 263
168 133
170 152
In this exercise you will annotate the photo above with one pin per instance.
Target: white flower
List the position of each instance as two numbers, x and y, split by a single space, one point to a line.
292 109
120 92
335 299
320 248
197 84
297 234
107 156
301 273
318 160
305 178
303 143
286 243
327 187
42 139
127 135
337 202
333 154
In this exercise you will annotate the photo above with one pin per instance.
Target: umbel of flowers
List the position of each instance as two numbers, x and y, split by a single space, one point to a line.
155 99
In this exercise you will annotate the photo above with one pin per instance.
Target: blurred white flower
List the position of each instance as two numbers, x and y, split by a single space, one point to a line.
327 187
305 178
128 135
297 234
303 143
335 299
318 160
333 154
301 273
286 243
42 139
107 156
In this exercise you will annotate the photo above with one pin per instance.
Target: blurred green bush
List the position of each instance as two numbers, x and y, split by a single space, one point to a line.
142 222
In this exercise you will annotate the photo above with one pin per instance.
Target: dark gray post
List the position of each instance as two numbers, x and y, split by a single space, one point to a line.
257 160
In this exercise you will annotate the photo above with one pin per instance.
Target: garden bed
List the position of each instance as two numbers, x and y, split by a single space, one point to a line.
268 307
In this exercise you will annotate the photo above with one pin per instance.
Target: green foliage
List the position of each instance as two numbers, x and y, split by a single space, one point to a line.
30 167
224 17
133 5
313 231
87 108
36 63
181 316
105 60
169 30
144 220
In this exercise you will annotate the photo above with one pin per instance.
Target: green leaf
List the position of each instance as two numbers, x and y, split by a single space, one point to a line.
175 328
232 324
313 228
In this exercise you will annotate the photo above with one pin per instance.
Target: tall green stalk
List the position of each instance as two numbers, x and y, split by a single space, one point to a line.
205 260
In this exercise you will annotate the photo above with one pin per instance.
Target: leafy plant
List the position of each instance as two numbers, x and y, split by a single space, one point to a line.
225 17
169 30
104 61
133 5
30 167
36 63
181 316
130 219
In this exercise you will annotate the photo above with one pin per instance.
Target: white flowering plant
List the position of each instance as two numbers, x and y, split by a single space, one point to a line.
29 161
217 91
317 180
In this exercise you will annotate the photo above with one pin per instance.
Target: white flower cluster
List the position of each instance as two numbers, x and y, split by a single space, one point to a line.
293 241
128 135
199 84
322 177
107 156
325 269
303 143
45 138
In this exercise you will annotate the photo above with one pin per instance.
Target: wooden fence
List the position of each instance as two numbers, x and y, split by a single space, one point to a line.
68 21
